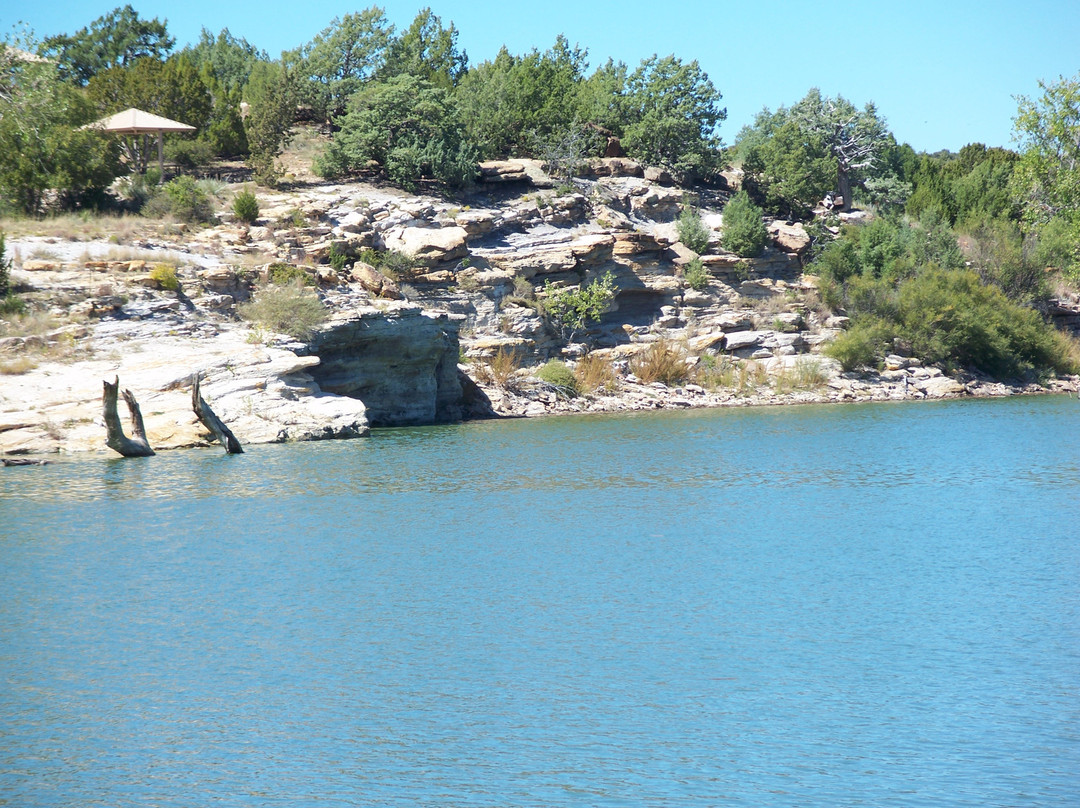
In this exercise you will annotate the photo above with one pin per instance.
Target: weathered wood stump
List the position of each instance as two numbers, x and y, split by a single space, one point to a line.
209 419
115 439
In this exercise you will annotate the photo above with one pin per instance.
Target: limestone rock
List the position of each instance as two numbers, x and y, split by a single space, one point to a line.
939 387
789 238
402 364
429 246
374 281
658 204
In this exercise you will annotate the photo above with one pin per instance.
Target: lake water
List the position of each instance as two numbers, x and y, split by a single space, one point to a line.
872 605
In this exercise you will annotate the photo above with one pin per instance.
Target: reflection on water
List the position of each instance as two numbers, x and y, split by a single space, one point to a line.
816 606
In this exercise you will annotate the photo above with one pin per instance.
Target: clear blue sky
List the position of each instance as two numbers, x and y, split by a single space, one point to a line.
943 73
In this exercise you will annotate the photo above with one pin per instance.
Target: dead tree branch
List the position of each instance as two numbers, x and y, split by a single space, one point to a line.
210 420
115 439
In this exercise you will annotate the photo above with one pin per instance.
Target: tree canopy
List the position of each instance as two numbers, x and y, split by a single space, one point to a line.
114 39
791 152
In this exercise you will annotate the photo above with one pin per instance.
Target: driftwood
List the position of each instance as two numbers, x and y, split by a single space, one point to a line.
22 461
136 445
210 420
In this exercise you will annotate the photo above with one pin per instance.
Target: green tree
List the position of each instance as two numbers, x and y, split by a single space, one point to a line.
335 64
173 89
228 58
428 51
570 310
512 103
271 97
786 171
410 128
118 38
44 154
856 139
744 231
1047 177
670 113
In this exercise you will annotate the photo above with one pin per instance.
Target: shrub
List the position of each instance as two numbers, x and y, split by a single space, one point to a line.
570 310
246 207
861 345
837 262
183 199
288 275
338 256
189 154
596 373
744 231
692 232
949 316
165 275
559 375
392 264
11 304
806 374
661 362
697 276
291 310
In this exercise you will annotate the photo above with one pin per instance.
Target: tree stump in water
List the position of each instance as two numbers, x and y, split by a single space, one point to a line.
210 420
115 439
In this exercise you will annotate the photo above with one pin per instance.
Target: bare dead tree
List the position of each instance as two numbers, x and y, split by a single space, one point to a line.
210 420
136 445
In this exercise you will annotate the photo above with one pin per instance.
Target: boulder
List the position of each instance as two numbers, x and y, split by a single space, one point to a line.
40 265
428 246
939 387
476 222
790 238
659 175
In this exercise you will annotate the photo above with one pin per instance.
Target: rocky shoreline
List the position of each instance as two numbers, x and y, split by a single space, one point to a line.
419 348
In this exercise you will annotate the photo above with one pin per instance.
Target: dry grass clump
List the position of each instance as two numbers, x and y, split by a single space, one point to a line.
80 227
17 365
29 324
726 373
806 374
500 369
663 361
291 310
595 373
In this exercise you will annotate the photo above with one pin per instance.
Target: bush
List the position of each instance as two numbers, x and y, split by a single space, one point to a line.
189 153
570 310
165 275
288 275
862 345
661 362
950 317
246 207
183 199
559 375
503 366
837 262
697 277
744 231
291 310
692 231
394 265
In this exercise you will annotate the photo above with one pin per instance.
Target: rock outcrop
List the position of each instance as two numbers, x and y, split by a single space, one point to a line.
401 363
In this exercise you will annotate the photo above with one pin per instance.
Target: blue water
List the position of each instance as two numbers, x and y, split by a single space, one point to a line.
873 605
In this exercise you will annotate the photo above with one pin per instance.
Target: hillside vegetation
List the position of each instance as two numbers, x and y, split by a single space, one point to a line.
955 263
